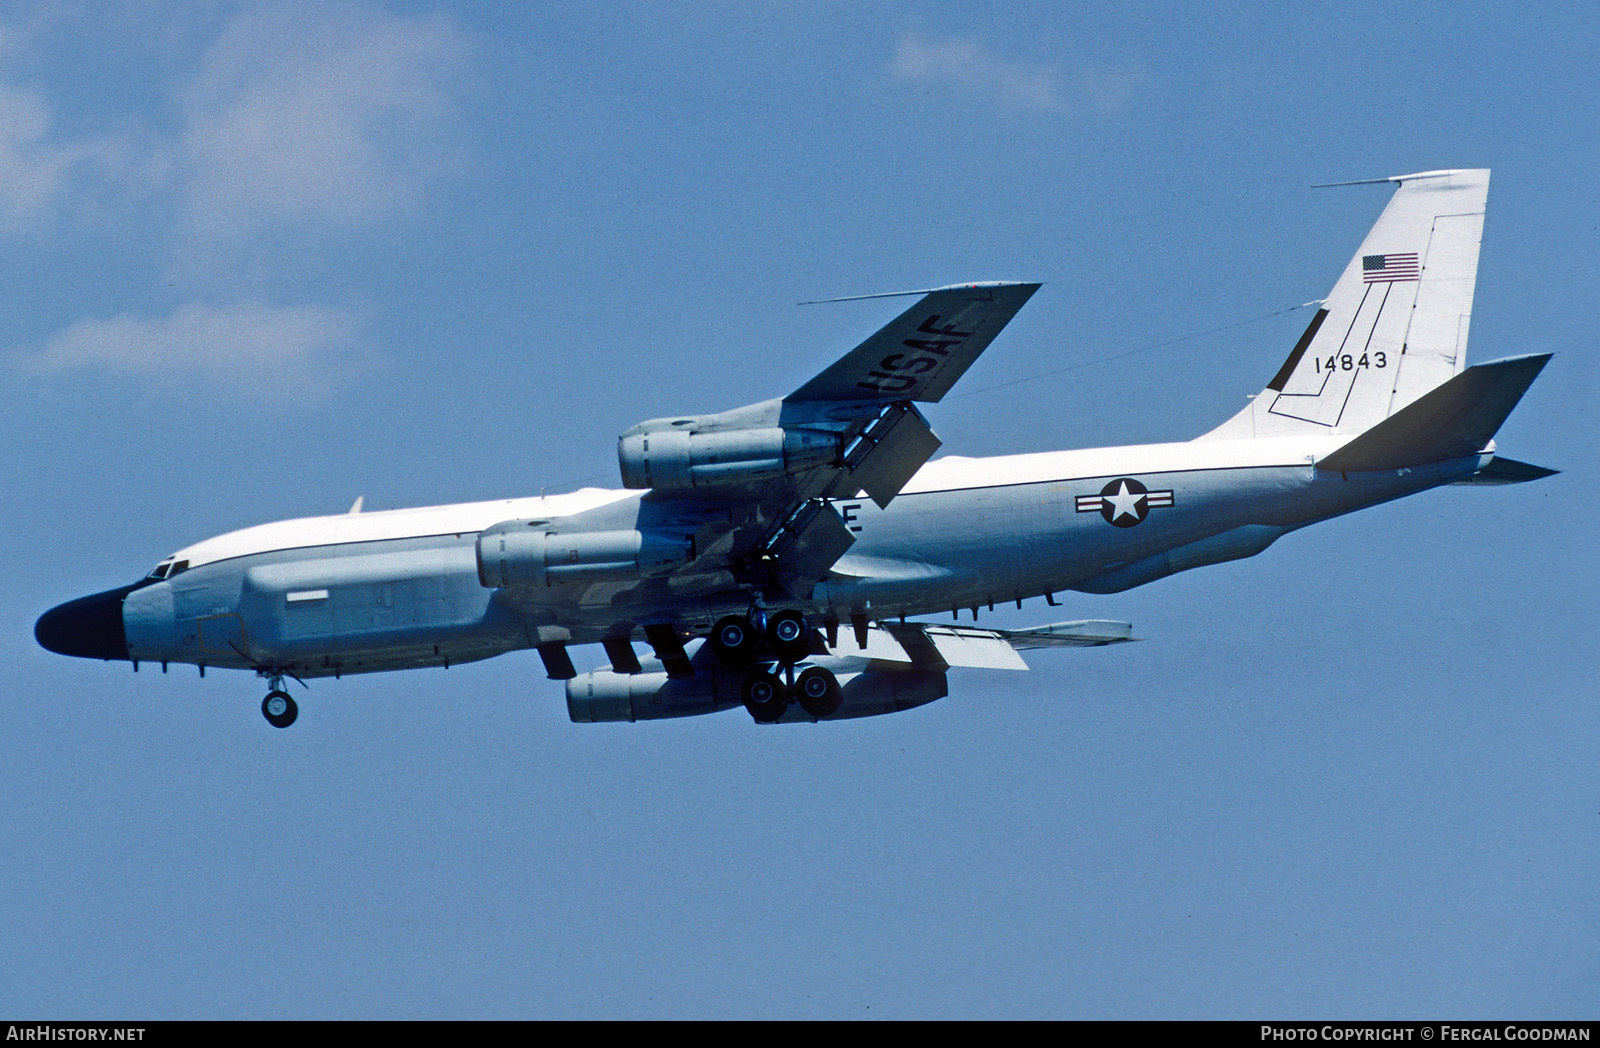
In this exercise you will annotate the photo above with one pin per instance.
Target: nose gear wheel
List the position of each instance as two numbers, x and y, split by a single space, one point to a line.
279 709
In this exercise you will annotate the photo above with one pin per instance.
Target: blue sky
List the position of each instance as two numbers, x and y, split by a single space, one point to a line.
260 260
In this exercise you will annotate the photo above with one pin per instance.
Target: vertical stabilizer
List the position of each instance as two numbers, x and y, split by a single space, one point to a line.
1395 325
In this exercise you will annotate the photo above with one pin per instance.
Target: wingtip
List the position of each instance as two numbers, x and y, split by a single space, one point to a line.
976 284
971 285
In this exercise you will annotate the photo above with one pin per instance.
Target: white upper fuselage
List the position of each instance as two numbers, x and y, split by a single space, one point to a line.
950 473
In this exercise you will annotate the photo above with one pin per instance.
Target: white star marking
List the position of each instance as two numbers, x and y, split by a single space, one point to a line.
1124 503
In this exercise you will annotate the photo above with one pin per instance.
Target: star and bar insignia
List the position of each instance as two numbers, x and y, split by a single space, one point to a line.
1124 502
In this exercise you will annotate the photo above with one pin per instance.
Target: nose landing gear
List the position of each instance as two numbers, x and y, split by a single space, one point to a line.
279 709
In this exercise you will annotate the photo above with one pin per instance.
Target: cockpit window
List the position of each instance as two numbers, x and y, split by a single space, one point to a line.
166 569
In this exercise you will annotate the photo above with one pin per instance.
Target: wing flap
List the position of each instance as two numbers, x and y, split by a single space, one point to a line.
984 650
809 542
880 646
929 646
890 452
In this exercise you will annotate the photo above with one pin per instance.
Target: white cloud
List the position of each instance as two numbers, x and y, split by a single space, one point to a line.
1110 93
300 115
37 167
251 349
974 70
32 169
338 115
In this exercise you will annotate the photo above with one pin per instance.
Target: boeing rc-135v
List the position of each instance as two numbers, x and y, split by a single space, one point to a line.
777 555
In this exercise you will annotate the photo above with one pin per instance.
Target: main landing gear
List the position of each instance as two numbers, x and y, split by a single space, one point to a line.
734 639
279 709
765 696
767 692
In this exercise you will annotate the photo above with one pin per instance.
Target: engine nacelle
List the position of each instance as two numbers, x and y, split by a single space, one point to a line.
603 695
523 553
675 459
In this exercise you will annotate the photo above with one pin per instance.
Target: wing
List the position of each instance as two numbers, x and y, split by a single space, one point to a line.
761 476
921 353
740 500
935 646
890 667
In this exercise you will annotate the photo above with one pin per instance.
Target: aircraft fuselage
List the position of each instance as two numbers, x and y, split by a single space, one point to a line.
401 589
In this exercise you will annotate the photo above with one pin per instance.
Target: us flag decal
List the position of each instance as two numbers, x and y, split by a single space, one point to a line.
1381 269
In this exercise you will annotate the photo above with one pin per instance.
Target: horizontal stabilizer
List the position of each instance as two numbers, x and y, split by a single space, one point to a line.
1502 470
1457 419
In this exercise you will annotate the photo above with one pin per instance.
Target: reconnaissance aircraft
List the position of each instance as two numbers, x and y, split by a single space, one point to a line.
775 556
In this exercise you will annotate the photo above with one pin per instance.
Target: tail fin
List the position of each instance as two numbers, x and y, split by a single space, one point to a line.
1395 325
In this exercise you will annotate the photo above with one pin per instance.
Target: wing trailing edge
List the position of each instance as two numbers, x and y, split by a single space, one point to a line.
932 645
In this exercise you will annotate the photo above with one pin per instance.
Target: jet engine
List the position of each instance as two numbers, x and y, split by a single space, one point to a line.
677 459
524 553
604 695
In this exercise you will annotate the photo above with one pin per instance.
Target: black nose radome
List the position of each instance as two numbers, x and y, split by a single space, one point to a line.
89 627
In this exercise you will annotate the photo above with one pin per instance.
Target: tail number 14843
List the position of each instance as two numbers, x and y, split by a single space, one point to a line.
1350 362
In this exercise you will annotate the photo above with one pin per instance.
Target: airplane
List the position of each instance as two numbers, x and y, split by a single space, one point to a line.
783 556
